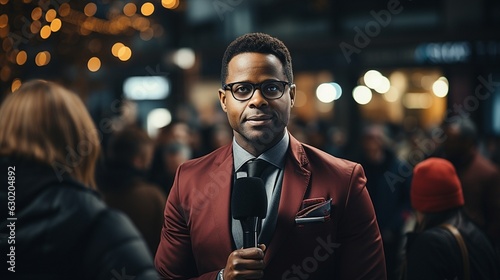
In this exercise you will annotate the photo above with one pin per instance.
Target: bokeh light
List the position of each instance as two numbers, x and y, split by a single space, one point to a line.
90 9
129 9
372 78
42 58
147 9
362 95
50 15
16 83
440 87
94 64
170 4
124 53
21 58
45 32
55 25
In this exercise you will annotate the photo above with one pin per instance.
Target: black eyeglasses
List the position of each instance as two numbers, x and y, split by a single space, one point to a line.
242 91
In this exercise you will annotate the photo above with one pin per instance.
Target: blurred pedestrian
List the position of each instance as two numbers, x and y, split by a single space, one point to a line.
125 186
434 250
390 197
480 178
48 151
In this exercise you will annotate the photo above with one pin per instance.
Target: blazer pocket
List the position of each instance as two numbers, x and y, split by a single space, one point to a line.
314 210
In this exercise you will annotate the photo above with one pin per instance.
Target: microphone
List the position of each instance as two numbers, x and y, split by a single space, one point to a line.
248 205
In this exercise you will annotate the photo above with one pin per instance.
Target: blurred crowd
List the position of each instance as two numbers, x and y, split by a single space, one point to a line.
387 152
135 172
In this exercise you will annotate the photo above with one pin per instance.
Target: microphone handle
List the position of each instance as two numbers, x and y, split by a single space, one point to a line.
250 226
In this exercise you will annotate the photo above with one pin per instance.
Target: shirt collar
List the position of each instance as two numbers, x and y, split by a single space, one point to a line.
274 155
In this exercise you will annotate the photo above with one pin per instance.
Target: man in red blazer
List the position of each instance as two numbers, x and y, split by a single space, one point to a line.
320 221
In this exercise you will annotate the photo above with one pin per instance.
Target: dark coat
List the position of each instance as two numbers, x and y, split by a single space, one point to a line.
125 188
64 231
435 254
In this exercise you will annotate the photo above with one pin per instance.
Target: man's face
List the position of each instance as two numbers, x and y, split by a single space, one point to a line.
257 123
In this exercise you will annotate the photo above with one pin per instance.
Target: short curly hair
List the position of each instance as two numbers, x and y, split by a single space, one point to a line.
258 43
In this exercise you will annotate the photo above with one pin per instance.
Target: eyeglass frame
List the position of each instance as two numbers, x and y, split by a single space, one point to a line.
256 86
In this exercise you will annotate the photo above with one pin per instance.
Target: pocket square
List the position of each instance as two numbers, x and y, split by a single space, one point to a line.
314 210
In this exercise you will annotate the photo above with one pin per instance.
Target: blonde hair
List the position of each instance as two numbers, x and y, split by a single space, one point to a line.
44 122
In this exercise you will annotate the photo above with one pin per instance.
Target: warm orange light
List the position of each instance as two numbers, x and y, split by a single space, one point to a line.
45 32
21 57
42 58
7 45
3 2
50 15
124 54
140 23
36 14
90 9
64 9
94 64
4 20
35 26
147 9
115 49
5 73
15 85
170 4
129 9
4 32
55 25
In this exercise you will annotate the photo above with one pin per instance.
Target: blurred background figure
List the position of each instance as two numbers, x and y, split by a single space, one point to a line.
173 155
335 143
432 251
124 185
174 145
388 189
479 177
63 230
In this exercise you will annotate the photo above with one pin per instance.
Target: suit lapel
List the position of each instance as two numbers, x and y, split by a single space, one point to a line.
222 180
295 182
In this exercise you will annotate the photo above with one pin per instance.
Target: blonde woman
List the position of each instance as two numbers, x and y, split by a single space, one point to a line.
56 226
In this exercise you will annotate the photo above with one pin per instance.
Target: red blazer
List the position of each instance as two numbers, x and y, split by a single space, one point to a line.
196 236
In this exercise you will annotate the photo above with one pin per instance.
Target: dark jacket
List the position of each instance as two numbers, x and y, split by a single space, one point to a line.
435 254
126 189
64 231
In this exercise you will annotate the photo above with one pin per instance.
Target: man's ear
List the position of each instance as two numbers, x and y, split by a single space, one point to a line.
222 99
292 94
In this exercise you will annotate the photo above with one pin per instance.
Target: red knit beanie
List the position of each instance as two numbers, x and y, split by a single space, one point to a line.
435 186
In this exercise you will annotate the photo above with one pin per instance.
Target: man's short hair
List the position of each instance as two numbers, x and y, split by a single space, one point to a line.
258 43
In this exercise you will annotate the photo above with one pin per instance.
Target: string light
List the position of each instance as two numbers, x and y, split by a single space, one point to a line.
55 25
42 20
45 32
15 85
170 4
129 9
36 14
124 53
94 64
50 15
42 58
4 20
90 9
21 58
147 9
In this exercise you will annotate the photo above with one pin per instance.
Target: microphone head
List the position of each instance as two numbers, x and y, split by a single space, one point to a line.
249 198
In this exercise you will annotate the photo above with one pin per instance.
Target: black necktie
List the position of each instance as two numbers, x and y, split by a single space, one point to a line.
255 167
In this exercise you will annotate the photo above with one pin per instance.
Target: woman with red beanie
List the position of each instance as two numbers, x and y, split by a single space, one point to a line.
446 244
